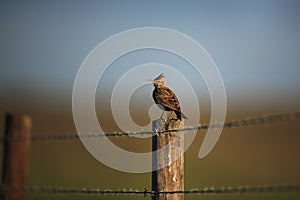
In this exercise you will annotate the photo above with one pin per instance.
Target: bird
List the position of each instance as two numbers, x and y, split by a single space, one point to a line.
165 98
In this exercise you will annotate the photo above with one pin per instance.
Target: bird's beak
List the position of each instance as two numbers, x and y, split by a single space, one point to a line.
150 80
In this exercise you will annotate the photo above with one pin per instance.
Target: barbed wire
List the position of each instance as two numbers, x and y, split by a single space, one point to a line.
248 122
145 192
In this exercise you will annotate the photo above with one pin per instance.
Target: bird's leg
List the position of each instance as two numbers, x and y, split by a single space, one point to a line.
169 117
162 115
162 128
166 121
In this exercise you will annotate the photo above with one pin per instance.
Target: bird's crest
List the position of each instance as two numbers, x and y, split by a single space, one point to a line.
160 77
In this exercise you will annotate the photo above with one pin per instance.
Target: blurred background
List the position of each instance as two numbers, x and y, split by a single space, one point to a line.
255 44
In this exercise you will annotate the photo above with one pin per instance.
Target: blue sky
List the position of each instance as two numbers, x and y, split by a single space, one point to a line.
255 44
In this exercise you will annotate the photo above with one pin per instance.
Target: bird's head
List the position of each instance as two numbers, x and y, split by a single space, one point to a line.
160 81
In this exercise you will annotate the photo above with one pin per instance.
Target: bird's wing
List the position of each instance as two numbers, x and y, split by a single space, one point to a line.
167 98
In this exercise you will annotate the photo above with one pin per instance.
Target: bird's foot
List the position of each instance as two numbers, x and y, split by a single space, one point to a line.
171 119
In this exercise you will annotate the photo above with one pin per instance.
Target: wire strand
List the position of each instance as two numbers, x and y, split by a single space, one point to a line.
248 122
145 192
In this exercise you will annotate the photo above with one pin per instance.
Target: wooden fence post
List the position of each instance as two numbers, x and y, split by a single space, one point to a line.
171 177
16 148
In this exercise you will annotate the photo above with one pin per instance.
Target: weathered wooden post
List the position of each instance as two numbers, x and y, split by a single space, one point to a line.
171 177
16 148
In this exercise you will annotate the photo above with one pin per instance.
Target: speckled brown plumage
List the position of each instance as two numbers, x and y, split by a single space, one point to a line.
165 98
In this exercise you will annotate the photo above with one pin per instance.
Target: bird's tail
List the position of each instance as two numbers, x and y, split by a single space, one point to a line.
180 115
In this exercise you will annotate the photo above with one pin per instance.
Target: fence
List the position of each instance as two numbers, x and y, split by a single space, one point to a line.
20 138
248 122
